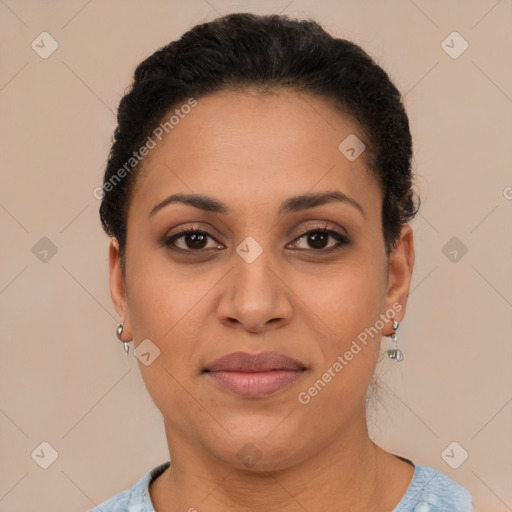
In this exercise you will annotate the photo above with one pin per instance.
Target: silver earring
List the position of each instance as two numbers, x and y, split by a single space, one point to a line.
395 353
126 344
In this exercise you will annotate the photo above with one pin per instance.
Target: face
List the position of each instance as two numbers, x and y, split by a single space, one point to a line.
286 256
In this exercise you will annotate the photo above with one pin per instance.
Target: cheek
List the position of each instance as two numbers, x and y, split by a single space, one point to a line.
169 305
345 300
161 296
164 308
347 306
347 356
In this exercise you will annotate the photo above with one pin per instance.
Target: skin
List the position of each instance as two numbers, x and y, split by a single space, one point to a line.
252 151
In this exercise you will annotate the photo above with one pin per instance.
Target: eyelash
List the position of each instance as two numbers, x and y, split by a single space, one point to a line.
342 240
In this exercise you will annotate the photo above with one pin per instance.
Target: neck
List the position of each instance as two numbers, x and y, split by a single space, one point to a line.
345 475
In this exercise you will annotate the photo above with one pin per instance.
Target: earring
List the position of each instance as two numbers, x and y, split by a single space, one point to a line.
119 332
395 353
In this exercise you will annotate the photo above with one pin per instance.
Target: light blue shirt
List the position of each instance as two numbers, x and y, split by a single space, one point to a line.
429 491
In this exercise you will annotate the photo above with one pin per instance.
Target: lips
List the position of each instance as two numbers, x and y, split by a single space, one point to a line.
254 375
263 362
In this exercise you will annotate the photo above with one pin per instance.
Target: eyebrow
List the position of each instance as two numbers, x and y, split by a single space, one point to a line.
292 204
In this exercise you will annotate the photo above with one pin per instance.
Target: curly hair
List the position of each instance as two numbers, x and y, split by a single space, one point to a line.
242 50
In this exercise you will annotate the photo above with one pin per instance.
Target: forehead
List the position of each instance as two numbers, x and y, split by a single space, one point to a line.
262 147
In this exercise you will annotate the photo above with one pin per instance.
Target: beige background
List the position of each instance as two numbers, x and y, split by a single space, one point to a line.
64 377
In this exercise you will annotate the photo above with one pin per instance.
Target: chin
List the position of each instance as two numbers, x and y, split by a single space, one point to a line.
265 450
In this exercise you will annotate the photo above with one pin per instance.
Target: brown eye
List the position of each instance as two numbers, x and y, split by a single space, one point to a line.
317 240
193 240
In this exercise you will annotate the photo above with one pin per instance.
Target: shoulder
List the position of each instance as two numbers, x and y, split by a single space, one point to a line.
432 491
136 499
117 503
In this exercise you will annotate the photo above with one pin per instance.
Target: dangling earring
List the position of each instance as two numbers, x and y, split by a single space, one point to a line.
126 344
395 353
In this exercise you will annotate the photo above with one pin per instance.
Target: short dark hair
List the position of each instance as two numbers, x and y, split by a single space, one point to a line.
242 50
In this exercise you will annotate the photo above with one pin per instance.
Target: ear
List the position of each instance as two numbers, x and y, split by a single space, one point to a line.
118 288
400 266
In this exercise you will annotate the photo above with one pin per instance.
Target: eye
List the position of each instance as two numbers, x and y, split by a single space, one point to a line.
194 240
318 238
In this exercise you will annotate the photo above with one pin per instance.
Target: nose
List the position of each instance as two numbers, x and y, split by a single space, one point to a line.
255 296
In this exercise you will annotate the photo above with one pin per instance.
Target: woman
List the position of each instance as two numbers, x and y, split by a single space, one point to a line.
258 194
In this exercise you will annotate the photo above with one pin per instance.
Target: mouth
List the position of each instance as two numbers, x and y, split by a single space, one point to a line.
254 375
